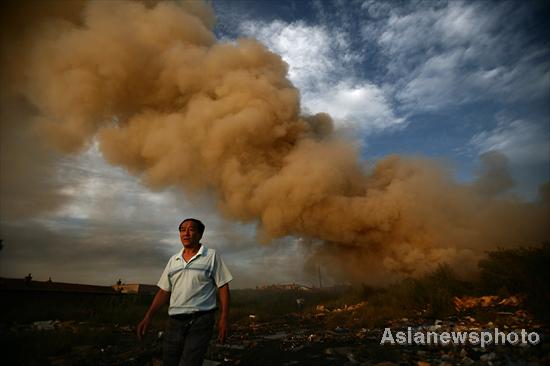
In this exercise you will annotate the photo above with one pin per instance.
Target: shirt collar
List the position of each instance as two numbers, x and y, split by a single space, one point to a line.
202 251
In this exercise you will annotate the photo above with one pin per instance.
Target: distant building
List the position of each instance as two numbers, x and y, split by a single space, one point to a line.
23 285
135 288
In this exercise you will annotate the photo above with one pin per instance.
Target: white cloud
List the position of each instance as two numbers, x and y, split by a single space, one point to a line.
460 23
435 84
444 80
306 49
320 65
376 8
364 105
523 142
446 54
527 79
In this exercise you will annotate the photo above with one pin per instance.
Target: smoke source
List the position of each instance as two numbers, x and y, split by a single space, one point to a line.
169 103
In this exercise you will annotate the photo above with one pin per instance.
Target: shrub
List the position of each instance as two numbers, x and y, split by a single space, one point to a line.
435 291
522 270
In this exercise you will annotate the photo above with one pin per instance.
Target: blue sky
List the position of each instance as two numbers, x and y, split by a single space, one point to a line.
447 80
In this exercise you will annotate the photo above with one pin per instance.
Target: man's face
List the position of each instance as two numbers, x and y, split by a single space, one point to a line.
189 234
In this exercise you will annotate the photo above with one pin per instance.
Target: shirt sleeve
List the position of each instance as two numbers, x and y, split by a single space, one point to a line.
164 281
221 273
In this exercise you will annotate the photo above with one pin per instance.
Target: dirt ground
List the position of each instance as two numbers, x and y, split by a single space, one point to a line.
302 338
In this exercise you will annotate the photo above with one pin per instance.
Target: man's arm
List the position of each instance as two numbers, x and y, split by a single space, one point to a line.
224 304
160 299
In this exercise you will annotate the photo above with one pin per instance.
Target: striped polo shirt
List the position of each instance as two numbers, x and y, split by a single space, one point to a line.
193 284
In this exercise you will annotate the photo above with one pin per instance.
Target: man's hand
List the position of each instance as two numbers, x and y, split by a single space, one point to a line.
142 327
222 330
161 298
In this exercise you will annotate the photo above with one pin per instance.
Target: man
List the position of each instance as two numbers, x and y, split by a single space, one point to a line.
189 281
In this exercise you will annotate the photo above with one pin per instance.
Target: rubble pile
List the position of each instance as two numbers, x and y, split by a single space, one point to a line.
470 302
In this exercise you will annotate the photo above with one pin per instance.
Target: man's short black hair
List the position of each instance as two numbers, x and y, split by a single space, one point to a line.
200 225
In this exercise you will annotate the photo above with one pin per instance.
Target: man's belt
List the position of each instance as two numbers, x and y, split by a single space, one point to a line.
189 316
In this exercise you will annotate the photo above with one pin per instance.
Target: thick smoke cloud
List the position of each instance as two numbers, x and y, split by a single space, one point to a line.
170 104
28 182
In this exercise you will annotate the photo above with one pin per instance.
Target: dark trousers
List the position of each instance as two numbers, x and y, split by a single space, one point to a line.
186 339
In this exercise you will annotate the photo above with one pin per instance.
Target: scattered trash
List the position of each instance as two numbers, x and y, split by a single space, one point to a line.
275 336
290 363
320 308
46 324
234 346
210 363
488 357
